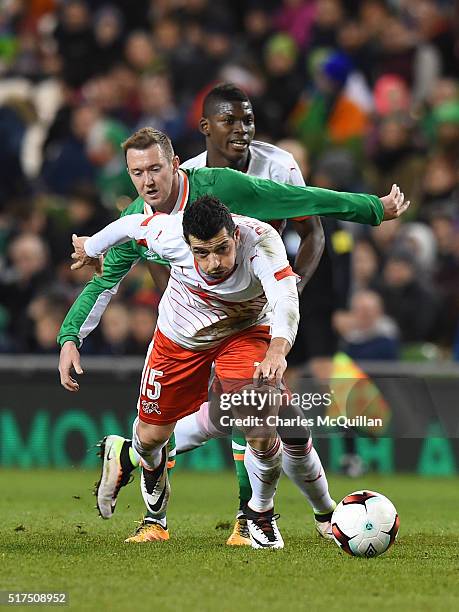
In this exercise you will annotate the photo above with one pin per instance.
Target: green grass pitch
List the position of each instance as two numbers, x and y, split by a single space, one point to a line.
52 540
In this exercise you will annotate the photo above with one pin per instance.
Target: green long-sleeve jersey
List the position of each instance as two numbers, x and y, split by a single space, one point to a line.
245 195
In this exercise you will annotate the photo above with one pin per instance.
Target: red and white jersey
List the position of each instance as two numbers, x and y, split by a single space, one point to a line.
266 161
198 312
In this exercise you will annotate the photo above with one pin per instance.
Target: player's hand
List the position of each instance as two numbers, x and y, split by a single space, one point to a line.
394 204
68 359
271 369
81 259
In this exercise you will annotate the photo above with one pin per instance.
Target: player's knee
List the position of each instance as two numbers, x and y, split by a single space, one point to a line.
152 436
290 427
261 444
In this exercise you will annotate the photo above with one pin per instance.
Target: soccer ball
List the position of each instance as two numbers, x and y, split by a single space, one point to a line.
365 524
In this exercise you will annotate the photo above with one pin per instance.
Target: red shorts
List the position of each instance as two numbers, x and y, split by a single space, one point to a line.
175 380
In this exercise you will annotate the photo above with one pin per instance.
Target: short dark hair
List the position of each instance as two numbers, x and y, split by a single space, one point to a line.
145 138
225 92
205 218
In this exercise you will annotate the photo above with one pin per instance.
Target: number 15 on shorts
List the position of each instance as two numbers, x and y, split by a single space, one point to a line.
152 388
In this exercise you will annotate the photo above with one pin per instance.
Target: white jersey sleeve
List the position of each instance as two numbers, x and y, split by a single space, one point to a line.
149 231
294 175
200 161
271 267
269 161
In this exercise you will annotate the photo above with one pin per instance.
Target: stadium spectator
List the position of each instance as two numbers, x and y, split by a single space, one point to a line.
104 150
330 116
355 42
446 277
385 238
142 317
46 328
396 159
114 330
27 275
419 240
283 81
412 304
446 126
296 17
140 53
80 212
43 313
258 29
108 38
66 162
328 14
439 190
75 42
158 108
365 265
433 27
367 333
12 132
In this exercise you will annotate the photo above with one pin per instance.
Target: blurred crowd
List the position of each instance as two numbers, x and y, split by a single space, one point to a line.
365 91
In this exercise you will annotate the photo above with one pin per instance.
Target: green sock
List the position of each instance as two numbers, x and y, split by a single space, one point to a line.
238 444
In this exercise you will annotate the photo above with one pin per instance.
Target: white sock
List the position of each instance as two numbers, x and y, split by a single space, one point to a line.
302 465
149 458
264 470
195 430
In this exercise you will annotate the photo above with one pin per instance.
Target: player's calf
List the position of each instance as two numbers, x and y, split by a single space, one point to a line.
302 465
264 470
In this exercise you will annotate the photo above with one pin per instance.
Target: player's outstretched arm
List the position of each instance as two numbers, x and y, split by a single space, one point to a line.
145 230
266 200
118 232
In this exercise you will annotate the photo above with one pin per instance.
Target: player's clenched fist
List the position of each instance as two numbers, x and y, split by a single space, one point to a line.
394 204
